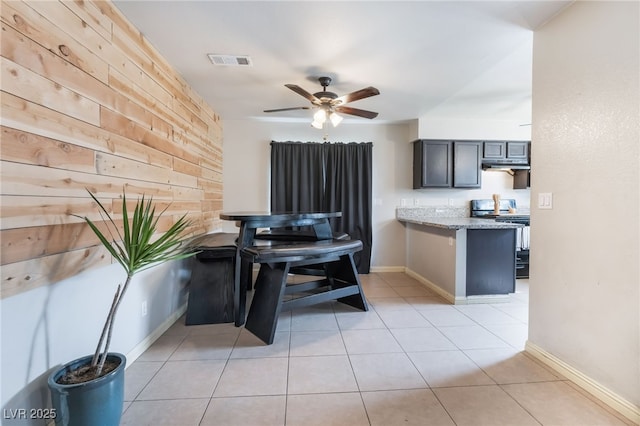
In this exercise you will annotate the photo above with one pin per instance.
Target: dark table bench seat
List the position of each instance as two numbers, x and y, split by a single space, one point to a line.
211 287
276 259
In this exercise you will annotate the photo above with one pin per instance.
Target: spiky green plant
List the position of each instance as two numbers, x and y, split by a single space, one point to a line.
136 250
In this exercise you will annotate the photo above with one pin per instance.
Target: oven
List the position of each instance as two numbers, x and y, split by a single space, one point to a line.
485 209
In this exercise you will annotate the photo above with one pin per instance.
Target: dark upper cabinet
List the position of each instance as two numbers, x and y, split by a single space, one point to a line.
446 164
494 150
432 164
513 150
467 160
518 150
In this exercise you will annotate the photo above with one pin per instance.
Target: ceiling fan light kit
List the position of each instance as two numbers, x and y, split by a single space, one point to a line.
320 117
330 104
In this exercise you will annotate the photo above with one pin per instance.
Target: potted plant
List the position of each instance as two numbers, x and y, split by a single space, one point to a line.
90 390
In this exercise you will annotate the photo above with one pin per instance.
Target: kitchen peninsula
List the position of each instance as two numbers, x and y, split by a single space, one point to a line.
466 260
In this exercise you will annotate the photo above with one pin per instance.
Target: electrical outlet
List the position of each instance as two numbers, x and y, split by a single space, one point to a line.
143 308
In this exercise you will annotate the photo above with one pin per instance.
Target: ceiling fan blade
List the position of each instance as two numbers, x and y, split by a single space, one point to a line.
357 95
285 109
300 91
356 111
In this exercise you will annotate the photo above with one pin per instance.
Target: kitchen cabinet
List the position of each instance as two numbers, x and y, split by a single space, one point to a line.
432 164
446 164
491 261
467 161
511 150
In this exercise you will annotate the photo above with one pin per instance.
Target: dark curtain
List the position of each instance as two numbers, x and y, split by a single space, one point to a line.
348 189
297 177
327 177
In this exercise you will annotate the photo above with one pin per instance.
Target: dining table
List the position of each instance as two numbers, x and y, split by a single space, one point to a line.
249 222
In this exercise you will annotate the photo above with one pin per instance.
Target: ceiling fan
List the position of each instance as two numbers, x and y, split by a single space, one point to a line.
329 103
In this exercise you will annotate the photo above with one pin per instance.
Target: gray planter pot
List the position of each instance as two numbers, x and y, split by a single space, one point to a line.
97 402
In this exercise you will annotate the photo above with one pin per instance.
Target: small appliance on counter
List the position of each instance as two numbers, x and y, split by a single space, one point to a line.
485 209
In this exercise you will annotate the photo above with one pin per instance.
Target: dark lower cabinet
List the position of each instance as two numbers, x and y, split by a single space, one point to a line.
491 261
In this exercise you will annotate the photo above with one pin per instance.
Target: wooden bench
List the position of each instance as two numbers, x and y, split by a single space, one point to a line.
276 259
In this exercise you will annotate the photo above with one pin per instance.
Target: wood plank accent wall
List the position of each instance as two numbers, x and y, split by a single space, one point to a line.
88 103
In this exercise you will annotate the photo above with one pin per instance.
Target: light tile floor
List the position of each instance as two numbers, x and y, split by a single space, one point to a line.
412 359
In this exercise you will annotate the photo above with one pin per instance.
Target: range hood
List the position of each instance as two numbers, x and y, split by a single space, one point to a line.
505 166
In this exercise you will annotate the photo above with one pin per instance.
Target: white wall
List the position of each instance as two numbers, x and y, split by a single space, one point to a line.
52 325
584 285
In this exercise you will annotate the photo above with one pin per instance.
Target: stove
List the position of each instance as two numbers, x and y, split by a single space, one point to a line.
484 209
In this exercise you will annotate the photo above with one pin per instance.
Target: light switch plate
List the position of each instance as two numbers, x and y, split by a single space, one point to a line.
545 200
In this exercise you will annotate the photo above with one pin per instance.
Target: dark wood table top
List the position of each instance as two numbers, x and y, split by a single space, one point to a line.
277 216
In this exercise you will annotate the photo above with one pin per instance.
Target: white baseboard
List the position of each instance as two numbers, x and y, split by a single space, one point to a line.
375 269
613 400
148 341
431 286
462 300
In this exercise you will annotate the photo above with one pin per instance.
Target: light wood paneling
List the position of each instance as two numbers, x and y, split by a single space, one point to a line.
89 104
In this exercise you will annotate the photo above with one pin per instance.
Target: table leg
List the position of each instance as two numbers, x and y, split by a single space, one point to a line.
323 230
242 274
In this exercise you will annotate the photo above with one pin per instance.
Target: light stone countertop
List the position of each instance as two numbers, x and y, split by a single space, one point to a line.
448 219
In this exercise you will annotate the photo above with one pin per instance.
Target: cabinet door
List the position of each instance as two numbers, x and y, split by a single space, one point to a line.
467 157
494 150
519 150
432 164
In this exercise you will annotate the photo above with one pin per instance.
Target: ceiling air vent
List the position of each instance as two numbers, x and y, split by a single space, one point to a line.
230 60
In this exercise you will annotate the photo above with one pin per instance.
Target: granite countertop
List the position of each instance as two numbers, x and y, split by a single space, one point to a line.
440 218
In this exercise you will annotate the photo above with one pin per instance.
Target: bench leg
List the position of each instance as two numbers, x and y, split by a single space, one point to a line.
345 270
267 301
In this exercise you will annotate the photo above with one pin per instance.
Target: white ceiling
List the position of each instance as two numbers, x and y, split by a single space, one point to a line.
438 57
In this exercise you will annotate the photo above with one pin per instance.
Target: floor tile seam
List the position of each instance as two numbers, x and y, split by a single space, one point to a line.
443 335
353 373
353 392
485 325
496 386
153 376
530 413
444 407
380 309
408 354
204 412
504 383
198 398
219 379
544 366
259 357
507 313
479 367
391 333
492 333
610 410
530 382
318 356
